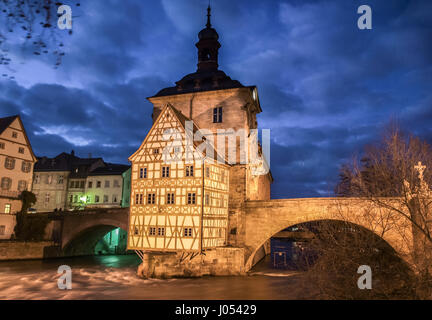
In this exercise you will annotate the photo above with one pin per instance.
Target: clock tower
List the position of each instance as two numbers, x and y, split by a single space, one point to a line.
206 198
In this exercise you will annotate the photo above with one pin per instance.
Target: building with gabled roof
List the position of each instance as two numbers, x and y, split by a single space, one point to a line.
16 170
104 186
179 197
59 183
68 182
207 208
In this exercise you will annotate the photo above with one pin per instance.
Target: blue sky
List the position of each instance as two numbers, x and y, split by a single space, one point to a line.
326 88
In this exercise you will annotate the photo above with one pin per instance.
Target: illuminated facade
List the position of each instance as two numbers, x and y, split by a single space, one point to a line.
16 171
173 209
177 206
104 186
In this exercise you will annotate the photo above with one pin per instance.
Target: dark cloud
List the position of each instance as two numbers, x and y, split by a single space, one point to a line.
326 88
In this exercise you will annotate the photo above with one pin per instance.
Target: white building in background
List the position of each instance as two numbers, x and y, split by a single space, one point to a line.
104 186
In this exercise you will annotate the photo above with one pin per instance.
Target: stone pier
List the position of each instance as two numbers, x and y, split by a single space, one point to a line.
224 261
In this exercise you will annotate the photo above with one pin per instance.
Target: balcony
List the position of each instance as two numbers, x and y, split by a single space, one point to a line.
9 194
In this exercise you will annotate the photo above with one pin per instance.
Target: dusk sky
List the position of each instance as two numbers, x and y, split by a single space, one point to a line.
326 88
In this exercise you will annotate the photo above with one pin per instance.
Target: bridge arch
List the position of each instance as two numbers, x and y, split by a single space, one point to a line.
264 219
82 231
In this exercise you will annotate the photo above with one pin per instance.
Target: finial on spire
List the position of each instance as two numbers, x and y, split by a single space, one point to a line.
208 17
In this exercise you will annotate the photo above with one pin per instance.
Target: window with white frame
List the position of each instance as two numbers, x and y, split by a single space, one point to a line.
191 198
151 198
165 172
152 231
217 115
187 232
8 208
170 198
143 173
161 231
189 171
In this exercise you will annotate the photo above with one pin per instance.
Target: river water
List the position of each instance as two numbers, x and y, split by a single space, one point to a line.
114 277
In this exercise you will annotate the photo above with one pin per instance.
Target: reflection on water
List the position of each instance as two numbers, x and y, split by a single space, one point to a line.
114 277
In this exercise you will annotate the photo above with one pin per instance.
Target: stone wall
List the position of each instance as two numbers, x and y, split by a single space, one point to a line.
224 261
7 224
11 250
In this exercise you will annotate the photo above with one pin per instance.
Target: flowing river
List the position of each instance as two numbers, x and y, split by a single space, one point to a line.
114 277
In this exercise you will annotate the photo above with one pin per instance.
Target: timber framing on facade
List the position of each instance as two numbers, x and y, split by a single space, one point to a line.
181 205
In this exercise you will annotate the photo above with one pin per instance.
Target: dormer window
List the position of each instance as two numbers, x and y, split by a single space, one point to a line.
217 115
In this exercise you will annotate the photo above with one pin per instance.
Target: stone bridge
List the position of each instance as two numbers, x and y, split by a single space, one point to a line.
264 219
79 231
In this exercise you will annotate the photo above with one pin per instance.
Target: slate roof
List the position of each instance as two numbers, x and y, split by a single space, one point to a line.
109 169
62 162
6 122
66 162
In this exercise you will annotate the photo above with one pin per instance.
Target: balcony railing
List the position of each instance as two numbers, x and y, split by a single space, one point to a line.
9 194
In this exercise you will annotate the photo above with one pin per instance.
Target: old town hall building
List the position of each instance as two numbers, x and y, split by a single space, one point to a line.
193 202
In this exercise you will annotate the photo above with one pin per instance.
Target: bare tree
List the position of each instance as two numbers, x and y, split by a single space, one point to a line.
339 249
394 174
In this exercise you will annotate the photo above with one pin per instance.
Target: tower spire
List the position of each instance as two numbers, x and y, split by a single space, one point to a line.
208 25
